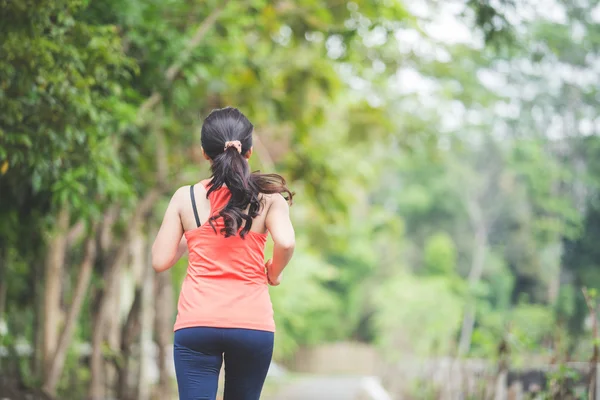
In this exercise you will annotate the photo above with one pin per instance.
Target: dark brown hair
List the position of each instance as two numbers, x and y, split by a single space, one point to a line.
230 168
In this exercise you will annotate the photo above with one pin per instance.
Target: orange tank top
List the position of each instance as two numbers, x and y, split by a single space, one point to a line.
225 285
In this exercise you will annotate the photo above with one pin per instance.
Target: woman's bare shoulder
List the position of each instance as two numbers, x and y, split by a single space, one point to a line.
272 198
184 192
204 182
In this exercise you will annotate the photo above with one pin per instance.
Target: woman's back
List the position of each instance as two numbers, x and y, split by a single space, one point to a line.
226 283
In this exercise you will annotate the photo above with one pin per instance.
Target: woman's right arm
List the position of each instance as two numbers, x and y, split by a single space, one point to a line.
280 227
167 245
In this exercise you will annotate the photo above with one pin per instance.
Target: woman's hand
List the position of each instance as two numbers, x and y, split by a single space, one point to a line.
272 281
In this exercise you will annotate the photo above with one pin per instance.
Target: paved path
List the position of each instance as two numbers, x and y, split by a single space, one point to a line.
331 388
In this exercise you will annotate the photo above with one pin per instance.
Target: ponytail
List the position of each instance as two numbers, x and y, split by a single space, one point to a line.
226 140
230 168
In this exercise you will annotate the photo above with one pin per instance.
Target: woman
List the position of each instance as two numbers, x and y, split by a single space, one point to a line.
224 309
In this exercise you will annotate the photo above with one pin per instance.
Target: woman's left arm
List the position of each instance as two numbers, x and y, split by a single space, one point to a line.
167 248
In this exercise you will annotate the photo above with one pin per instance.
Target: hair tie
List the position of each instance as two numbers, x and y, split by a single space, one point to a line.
234 143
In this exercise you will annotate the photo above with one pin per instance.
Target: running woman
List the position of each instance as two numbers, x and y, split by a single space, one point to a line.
224 311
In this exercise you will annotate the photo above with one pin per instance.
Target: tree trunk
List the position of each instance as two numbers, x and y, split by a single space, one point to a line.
162 291
593 373
3 279
100 334
55 259
96 391
37 359
81 288
551 257
3 287
101 327
111 274
477 265
466 331
554 286
131 329
105 241
113 331
147 318
164 331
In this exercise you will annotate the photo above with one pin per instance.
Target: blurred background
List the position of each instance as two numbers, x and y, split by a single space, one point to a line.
446 163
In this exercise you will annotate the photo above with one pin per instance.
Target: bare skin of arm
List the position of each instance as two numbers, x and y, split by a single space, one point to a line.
280 227
169 244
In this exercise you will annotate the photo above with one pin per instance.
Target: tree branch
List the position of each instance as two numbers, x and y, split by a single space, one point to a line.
175 68
54 267
83 282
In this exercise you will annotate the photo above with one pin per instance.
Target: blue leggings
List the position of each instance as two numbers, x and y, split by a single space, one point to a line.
199 353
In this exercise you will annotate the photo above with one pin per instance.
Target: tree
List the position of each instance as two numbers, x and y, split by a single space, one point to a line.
61 83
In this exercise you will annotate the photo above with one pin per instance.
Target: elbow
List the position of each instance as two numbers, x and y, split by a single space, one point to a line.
159 266
160 263
288 245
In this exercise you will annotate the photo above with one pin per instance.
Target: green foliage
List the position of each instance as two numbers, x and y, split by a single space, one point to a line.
582 258
532 322
560 383
304 309
417 315
440 255
423 389
61 84
75 382
540 171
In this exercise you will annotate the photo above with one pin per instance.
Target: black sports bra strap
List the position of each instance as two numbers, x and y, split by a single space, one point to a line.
194 205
